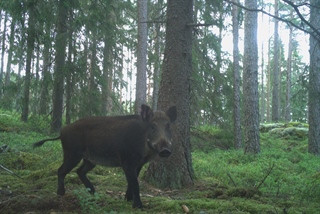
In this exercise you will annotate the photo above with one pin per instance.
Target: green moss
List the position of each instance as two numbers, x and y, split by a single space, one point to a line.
227 181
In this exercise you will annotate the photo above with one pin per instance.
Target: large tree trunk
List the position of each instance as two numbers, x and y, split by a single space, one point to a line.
250 80
176 171
141 85
236 80
58 82
314 83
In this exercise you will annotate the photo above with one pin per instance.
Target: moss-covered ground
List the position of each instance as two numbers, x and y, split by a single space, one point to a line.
283 178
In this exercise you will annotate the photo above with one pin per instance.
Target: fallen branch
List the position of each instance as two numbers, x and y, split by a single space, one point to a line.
9 171
265 177
232 180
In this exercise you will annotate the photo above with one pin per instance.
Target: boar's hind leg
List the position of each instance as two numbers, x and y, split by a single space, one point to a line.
82 173
68 164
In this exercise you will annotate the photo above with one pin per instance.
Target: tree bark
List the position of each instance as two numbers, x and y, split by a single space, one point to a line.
275 82
141 84
250 80
288 83
176 171
236 80
3 49
157 58
46 77
10 51
30 47
58 82
70 69
314 83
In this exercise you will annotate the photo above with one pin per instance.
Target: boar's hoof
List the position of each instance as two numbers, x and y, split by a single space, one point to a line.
139 206
165 153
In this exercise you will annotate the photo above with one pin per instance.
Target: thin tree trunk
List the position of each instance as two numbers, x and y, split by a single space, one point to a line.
46 77
59 74
93 70
3 49
70 70
289 63
141 85
262 112
269 84
157 53
10 51
275 82
30 47
236 80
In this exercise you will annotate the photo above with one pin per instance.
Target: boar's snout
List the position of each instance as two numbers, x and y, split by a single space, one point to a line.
165 153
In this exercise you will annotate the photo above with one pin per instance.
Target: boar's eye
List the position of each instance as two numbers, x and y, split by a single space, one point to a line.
153 127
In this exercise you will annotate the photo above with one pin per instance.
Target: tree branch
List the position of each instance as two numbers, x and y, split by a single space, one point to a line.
265 177
315 33
295 7
9 171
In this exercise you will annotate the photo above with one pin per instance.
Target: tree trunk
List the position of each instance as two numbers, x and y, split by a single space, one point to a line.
141 85
157 54
263 101
289 63
236 80
275 82
106 103
314 83
93 70
30 47
3 49
268 84
70 69
10 51
250 80
176 171
58 82
46 77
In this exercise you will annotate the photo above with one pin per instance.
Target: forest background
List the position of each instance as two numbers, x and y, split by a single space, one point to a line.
100 70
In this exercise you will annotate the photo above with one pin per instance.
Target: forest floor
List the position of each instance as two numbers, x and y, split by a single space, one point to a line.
284 178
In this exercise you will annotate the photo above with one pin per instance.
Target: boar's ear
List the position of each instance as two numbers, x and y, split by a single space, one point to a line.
172 113
146 113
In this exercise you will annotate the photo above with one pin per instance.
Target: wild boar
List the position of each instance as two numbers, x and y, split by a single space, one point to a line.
115 141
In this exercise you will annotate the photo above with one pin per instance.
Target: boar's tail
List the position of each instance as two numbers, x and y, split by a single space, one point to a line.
41 142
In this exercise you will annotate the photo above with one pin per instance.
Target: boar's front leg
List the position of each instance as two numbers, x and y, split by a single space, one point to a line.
133 191
129 193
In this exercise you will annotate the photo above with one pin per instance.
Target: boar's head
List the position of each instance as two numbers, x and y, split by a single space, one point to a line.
159 132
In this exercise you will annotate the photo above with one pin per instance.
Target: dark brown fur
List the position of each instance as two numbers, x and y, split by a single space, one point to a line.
120 141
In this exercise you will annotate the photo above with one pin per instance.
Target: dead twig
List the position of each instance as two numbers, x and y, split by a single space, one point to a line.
232 180
9 171
265 177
